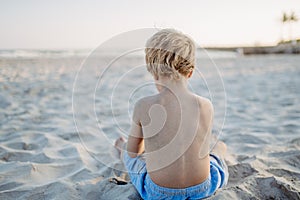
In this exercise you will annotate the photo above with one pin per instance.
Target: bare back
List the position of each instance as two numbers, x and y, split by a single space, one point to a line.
176 131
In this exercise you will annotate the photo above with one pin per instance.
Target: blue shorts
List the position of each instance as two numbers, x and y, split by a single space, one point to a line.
149 190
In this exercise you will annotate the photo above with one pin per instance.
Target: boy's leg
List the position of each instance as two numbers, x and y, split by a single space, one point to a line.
217 157
120 146
136 167
220 149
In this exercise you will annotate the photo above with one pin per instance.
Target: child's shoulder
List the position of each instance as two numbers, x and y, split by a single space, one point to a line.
141 106
145 102
205 103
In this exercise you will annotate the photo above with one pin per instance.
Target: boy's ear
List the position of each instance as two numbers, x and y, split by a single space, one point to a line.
190 74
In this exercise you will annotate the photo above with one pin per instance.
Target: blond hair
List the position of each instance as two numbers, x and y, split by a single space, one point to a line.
170 53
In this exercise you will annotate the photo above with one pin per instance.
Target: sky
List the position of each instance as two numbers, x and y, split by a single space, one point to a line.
69 24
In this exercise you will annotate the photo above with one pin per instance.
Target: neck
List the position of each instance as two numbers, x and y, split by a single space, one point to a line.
175 86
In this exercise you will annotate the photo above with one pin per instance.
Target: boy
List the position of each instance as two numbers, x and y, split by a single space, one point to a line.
167 153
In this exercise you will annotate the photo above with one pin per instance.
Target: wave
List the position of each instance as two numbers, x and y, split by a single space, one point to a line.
52 53
37 53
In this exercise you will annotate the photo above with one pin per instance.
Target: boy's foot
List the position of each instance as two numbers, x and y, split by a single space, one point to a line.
119 145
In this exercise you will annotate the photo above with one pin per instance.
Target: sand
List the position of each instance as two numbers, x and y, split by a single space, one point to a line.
44 156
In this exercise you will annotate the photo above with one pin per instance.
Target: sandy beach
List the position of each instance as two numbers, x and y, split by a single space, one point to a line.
56 140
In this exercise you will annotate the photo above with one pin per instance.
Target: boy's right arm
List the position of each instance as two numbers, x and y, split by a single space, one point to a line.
135 144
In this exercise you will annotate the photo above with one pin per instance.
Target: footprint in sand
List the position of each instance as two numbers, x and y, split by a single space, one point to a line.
238 172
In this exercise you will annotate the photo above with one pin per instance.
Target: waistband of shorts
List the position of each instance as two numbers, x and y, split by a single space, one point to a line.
216 158
196 189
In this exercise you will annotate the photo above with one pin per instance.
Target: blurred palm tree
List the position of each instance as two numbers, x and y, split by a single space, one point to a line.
293 19
284 20
290 19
